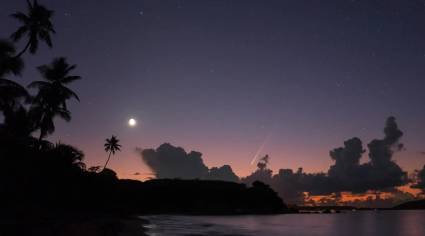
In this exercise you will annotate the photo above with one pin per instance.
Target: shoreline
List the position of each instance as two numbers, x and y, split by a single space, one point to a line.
100 226
132 225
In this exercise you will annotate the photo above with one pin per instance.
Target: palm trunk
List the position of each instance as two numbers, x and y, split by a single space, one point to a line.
40 139
23 50
109 156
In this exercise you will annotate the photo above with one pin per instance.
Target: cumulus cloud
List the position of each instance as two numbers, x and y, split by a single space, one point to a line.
222 173
382 171
292 186
346 174
168 161
420 180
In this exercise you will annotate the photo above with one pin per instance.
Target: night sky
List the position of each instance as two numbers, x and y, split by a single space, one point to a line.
224 77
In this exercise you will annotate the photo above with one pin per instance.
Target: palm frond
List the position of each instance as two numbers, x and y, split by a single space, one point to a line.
43 70
30 5
17 35
9 86
70 67
64 114
45 36
8 62
70 79
38 84
6 48
33 43
70 93
21 17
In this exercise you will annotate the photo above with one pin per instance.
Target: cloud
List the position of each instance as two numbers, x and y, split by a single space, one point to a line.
222 173
420 179
382 172
168 161
346 174
371 199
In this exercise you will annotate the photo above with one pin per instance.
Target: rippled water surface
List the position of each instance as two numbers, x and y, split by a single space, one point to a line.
365 223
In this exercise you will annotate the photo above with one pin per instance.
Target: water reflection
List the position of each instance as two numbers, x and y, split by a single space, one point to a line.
376 223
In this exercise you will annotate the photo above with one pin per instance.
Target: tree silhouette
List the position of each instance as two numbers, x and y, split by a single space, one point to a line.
112 145
10 95
36 25
264 161
53 94
9 64
67 156
18 125
10 91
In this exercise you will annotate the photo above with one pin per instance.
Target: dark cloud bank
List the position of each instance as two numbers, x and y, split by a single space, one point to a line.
347 174
168 161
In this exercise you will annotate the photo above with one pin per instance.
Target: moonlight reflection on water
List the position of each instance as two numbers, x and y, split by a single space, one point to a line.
365 223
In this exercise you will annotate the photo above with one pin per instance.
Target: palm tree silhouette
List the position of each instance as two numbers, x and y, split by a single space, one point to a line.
17 126
11 94
9 64
111 146
10 91
36 24
52 95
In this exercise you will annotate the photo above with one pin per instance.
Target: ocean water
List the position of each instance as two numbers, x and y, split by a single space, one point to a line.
361 223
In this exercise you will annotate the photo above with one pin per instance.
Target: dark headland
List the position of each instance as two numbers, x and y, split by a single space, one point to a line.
412 205
97 203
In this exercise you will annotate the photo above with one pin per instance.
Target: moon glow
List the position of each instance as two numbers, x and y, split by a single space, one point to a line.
132 122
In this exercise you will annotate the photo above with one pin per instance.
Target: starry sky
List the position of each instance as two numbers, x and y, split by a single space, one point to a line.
225 77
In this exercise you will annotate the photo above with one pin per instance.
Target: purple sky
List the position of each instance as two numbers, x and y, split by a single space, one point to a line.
221 76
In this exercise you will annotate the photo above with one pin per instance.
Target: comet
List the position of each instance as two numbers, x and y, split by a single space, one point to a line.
260 149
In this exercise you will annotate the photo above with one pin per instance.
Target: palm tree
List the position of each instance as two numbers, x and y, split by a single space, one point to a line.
36 24
17 126
111 146
10 91
9 64
52 95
